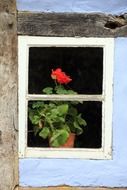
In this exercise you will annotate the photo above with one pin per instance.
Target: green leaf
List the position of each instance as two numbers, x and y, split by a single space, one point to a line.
52 105
61 90
48 90
54 111
36 130
33 117
81 121
72 111
60 120
59 137
31 114
79 130
62 109
38 104
44 133
67 128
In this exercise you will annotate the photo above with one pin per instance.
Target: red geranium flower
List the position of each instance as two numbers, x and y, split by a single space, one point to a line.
60 76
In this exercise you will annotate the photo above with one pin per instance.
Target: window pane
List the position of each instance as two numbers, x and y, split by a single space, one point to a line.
92 133
83 64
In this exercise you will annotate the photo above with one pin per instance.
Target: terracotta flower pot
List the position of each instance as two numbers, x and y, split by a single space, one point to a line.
70 141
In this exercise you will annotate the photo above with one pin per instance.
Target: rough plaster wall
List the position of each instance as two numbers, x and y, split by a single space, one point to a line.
109 6
8 95
74 172
81 172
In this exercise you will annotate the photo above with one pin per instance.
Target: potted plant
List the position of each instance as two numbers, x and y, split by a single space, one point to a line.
59 121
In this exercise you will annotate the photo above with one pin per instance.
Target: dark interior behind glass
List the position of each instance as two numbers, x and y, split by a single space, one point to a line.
83 64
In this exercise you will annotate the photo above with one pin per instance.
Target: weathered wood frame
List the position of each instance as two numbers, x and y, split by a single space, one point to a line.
106 98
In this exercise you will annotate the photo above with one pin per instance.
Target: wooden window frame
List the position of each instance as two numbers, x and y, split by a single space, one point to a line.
105 152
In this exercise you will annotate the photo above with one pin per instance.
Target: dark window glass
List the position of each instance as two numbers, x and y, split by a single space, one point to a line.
92 135
83 64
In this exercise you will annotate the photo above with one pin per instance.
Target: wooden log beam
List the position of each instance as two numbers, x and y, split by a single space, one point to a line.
72 24
8 96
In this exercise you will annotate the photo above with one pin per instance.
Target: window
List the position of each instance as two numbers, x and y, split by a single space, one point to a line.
90 62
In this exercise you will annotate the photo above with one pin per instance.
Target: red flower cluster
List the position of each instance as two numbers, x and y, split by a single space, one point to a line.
60 76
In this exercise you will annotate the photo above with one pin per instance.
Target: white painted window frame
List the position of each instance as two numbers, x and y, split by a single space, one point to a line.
105 152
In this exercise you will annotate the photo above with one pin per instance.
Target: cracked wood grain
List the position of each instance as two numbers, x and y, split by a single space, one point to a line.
8 95
72 24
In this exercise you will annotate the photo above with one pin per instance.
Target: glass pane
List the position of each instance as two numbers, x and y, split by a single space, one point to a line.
91 112
83 64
